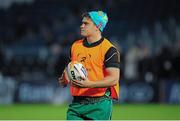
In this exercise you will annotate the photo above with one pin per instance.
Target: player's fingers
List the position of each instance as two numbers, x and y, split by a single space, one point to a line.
60 78
61 81
82 78
76 83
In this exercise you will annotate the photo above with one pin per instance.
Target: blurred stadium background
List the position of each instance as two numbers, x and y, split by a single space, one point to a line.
35 36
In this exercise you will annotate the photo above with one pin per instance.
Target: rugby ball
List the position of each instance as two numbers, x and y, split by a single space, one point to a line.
76 71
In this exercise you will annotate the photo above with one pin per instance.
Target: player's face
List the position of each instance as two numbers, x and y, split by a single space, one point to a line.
87 27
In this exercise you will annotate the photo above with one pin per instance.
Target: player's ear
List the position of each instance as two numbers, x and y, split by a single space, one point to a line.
96 28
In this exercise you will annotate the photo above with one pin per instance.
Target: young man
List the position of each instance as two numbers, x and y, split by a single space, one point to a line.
92 98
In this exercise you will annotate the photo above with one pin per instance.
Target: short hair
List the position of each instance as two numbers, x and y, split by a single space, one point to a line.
86 14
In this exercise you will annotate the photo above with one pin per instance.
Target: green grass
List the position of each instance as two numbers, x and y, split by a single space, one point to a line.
122 111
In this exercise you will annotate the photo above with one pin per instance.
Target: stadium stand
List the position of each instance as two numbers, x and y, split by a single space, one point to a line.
35 37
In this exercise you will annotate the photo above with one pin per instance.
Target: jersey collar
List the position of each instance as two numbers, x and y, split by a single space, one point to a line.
86 44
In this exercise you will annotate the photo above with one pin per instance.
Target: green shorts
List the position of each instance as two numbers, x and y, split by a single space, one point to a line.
90 110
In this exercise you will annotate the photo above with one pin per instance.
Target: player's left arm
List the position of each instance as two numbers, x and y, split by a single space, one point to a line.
110 80
112 65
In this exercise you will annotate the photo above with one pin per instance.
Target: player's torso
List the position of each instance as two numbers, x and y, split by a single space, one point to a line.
93 60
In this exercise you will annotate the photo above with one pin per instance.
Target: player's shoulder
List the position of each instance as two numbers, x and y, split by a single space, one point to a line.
77 42
107 42
111 46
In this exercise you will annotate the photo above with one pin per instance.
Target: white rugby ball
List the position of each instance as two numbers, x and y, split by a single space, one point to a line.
76 71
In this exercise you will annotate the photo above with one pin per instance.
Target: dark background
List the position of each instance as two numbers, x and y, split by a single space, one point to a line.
35 36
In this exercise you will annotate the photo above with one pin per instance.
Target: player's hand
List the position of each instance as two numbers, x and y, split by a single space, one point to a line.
84 83
63 80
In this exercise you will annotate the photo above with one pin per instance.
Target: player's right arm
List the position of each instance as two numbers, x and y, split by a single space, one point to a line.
64 80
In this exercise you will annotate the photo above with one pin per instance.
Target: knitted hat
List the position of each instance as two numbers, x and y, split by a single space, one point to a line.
99 18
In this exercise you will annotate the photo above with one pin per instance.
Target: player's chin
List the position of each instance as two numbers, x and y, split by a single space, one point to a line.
83 34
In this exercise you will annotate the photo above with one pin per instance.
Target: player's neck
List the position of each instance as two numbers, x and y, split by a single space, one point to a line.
95 38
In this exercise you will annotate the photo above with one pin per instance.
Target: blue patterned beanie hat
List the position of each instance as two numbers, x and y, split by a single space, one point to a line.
99 18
